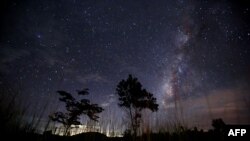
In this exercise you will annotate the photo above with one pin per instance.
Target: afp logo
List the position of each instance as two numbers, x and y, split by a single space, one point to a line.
237 132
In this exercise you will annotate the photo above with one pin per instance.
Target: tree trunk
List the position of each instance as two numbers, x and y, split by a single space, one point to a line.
67 133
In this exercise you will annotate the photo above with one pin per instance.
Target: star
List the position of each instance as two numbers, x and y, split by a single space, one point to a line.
189 54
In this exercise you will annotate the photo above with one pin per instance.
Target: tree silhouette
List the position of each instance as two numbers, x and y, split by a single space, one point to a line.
218 125
134 99
75 109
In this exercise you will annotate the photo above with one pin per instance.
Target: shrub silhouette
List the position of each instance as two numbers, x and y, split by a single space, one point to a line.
134 99
75 109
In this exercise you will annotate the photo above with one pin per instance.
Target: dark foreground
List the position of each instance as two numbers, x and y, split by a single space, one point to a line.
219 132
188 135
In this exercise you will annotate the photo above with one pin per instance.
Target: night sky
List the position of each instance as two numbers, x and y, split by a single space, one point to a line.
194 56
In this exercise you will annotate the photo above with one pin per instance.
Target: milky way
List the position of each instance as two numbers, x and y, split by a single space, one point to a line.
189 54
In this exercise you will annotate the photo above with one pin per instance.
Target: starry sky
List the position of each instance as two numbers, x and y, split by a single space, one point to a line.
192 55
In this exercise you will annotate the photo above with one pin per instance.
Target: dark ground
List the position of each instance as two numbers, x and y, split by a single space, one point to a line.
219 133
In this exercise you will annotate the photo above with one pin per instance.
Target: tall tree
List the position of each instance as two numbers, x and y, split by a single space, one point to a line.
133 98
75 109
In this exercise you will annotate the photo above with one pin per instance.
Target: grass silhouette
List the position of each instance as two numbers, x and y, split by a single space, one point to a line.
13 125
